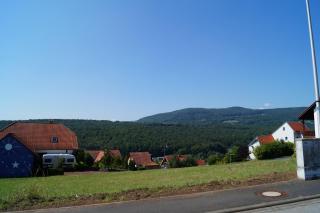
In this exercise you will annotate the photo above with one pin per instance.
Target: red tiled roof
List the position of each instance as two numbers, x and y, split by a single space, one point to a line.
37 136
200 162
97 155
142 158
179 157
115 153
265 139
298 127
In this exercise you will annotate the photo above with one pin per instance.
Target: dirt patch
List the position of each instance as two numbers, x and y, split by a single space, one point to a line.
39 202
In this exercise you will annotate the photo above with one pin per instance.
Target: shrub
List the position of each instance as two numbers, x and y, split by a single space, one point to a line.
84 160
176 163
232 155
214 159
274 150
190 161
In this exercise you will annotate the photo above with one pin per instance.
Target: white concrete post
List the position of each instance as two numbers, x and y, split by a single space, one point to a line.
315 74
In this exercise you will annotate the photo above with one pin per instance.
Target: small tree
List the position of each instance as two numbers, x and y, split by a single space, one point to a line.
232 155
107 160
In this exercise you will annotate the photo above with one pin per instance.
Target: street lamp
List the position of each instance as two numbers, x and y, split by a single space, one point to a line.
315 74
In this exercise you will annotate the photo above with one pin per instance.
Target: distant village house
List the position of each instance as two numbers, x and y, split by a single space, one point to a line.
142 159
98 155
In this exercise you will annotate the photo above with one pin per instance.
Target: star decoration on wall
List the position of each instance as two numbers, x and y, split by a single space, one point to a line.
15 164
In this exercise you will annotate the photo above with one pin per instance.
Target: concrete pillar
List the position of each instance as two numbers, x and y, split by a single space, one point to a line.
308 159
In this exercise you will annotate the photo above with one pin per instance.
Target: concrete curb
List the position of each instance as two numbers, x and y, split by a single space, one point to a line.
267 204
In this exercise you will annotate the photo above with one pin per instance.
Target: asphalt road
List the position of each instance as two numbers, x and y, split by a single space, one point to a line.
204 202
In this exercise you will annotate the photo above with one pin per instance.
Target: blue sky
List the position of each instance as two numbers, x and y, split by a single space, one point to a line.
122 60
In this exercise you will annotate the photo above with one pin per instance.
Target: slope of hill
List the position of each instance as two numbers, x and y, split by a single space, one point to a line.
232 115
219 129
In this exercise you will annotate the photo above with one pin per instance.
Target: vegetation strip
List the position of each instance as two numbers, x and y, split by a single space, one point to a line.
29 193
35 201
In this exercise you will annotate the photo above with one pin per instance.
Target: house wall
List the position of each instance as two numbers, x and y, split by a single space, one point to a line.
284 133
251 148
16 160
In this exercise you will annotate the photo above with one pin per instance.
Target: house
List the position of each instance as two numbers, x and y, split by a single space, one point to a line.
260 140
97 155
200 162
287 132
142 159
291 131
20 143
165 162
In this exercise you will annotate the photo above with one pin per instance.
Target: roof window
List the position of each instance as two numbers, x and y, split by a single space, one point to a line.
54 139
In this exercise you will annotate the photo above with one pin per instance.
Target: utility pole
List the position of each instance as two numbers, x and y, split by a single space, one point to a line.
315 74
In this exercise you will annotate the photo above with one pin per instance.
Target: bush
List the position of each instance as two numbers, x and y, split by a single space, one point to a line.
190 161
274 150
214 159
176 163
233 155
84 160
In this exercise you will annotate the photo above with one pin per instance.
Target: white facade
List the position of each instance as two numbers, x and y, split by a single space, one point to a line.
284 133
252 146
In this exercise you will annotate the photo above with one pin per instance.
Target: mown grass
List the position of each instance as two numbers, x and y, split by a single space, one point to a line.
40 189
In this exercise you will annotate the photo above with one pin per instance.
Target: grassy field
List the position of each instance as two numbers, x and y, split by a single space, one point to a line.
40 189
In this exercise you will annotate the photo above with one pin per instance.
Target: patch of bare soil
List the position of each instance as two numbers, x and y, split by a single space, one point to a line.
146 193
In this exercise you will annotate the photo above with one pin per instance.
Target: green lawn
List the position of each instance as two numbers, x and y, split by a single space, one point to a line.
90 184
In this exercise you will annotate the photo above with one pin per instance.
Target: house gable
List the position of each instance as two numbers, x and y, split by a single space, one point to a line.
16 160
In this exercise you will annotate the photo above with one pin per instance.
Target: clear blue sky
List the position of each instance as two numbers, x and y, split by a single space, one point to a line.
122 60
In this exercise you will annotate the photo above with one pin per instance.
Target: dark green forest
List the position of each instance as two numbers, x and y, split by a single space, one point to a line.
201 140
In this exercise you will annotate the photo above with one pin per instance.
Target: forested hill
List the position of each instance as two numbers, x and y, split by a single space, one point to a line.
200 140
232 115
216 136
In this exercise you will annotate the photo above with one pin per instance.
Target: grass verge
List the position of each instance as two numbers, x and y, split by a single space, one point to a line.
27 193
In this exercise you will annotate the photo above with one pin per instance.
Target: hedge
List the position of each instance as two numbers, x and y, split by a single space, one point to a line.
274 150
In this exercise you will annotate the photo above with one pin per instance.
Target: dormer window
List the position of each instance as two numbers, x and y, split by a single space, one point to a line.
54 139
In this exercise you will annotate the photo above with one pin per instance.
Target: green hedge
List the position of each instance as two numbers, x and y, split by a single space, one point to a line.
274 150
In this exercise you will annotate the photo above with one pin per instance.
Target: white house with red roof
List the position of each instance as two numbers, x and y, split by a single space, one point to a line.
287 132
291 131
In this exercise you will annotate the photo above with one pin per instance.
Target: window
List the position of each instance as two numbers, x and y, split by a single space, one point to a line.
286 138
283 128
54 139
47 160
70 160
